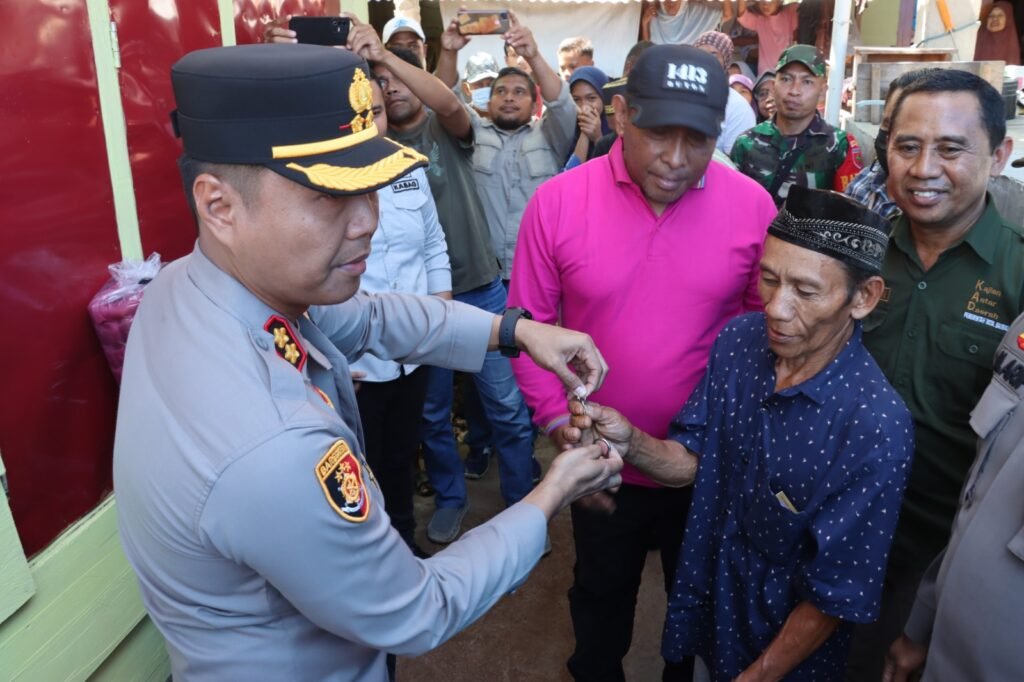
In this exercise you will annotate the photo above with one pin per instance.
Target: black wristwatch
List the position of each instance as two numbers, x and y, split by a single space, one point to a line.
507 331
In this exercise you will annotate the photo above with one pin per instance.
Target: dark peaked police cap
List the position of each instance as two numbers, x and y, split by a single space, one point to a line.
678 85
303 111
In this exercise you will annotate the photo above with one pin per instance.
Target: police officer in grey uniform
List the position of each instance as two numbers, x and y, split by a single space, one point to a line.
257 531
967 620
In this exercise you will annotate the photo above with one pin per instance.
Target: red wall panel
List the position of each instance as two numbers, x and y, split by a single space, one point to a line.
58 235
252 15
59 230
151 41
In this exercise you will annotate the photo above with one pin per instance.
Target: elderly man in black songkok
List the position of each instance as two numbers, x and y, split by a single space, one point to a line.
798 449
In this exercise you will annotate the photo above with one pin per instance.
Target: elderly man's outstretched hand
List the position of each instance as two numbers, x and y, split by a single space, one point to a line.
606 423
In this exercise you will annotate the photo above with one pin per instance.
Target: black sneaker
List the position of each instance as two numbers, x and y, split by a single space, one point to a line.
477 463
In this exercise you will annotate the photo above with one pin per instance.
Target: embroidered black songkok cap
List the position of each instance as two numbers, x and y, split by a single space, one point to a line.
835 225
303 111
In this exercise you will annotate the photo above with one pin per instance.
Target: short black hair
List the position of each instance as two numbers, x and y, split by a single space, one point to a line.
407 56
903 80
578 44
242 177
990 101
513 71
634 54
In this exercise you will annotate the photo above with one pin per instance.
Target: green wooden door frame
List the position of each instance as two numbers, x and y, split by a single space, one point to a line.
16 584
86 604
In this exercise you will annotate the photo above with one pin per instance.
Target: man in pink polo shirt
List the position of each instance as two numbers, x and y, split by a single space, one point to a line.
651 250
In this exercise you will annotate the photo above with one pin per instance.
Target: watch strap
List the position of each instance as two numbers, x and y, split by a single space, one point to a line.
507 331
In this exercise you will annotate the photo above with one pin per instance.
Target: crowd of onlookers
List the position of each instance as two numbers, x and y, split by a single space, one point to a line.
499 133
634 207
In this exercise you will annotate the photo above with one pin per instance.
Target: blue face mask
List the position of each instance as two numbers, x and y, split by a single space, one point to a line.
481 96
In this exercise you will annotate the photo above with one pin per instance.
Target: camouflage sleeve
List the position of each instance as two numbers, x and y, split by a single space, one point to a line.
739 151
850 163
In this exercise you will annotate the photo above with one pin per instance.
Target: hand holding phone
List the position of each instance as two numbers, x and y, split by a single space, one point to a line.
321 30
482 21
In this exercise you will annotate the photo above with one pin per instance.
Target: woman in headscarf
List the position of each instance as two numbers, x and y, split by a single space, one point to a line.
745 87
997 36
764 96
591 123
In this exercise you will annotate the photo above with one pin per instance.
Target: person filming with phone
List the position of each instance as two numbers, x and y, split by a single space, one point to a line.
513 152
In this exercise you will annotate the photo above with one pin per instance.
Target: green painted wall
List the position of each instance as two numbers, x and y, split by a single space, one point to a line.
86 615
879 22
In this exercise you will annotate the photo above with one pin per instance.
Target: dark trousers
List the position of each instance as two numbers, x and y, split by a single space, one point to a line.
391 413
610 555
871 641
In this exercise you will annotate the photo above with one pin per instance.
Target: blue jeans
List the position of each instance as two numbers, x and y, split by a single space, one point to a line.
504 407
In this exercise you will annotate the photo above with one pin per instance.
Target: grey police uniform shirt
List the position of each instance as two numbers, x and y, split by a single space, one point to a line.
257 532
509 166
970 604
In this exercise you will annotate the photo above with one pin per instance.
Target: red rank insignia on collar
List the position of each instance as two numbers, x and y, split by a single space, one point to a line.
1020 341
341 477
286 341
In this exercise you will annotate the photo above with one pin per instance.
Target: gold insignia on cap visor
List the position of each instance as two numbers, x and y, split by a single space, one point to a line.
360 96
348 179
291 151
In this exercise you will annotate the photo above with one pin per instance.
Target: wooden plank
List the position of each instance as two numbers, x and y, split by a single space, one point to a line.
884 73
864 86
16 584
87 602
903 54
990 71
875 111
141 657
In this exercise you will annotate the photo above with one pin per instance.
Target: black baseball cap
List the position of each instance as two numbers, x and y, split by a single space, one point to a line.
303 111
678 85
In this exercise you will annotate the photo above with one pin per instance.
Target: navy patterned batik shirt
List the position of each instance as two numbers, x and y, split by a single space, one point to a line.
796 499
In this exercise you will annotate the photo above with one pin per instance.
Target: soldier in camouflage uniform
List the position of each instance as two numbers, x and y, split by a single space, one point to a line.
797 146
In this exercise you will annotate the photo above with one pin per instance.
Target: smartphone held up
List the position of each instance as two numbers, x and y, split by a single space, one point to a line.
320 30
482 21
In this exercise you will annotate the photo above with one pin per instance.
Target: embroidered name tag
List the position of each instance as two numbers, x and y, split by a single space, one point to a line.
1010 368
983 306
405 185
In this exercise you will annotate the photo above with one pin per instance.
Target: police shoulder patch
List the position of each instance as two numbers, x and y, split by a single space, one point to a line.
341 477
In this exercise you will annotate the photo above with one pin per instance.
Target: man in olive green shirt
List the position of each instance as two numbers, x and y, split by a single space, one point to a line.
954 275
